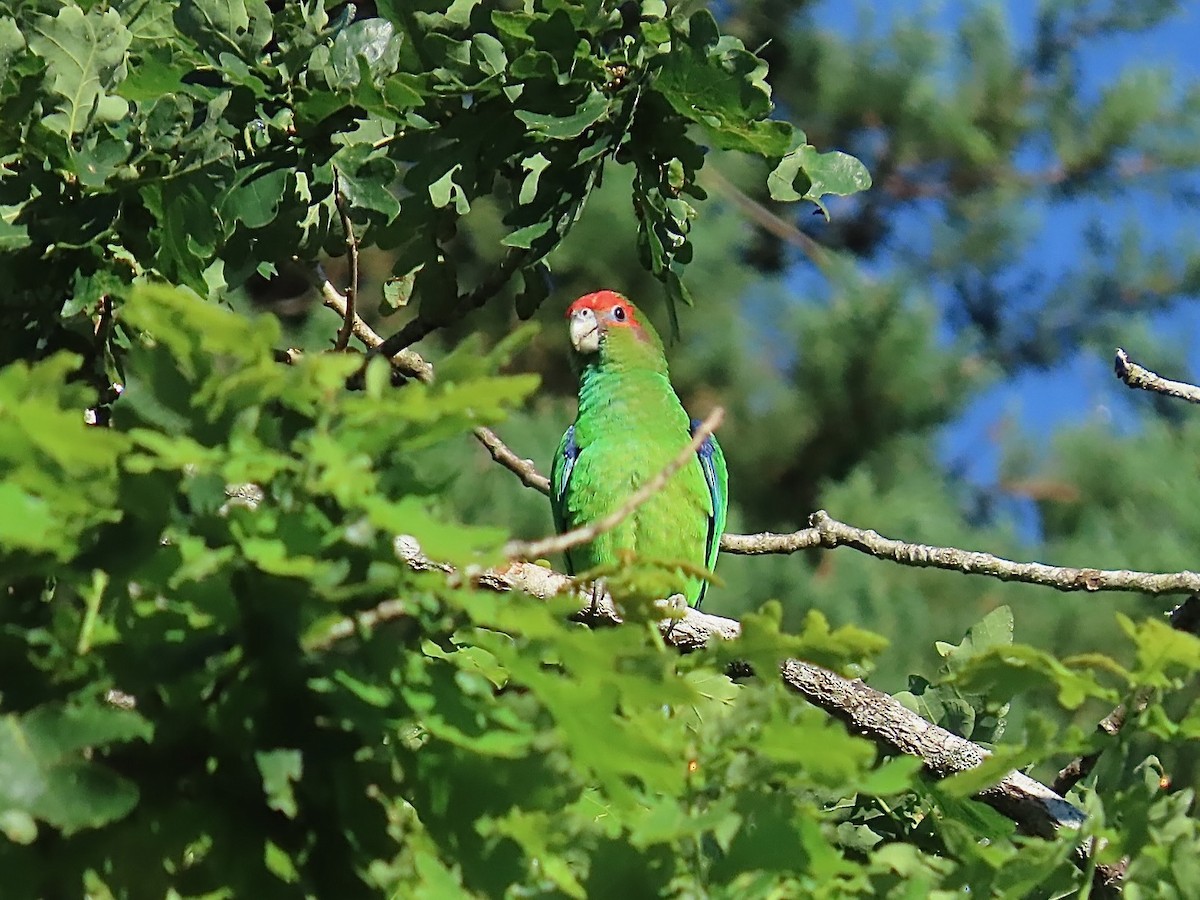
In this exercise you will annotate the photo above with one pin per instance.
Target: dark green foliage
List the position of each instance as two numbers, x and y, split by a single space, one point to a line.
220 676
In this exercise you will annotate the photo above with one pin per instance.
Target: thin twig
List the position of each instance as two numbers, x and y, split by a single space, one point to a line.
1185 617
765 218
588 533
410 363
387 611
484 291
407 362
1136 376
522 468
348 317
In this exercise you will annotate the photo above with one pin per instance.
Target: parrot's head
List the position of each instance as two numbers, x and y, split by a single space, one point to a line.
595 316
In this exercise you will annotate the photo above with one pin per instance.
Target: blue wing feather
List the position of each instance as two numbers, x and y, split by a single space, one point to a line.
712 463
560 478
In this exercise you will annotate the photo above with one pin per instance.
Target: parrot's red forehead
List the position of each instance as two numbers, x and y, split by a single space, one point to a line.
603 302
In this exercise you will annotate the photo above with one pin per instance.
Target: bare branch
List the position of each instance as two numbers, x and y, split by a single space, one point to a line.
348 317
1136 376
522 468
829 533
588 533
764 218
407 362
410 363
770 542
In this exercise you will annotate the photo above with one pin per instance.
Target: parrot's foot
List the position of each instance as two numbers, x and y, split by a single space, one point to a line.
597 593
674 608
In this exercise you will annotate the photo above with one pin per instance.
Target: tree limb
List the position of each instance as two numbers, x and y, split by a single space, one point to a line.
829 533
588 533
1136 376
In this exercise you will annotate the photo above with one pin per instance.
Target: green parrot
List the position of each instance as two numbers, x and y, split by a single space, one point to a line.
630 426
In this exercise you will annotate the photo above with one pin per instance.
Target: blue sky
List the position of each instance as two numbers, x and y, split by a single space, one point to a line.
1082 387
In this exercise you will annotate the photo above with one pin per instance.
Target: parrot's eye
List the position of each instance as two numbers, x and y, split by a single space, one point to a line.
619 313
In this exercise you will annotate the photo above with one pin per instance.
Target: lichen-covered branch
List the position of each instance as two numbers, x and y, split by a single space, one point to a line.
1034 807
829 533
1136 376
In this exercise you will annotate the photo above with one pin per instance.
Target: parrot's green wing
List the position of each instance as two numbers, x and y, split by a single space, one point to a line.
716 476
560 478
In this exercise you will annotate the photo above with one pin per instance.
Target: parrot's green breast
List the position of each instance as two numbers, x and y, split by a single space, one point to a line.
631 425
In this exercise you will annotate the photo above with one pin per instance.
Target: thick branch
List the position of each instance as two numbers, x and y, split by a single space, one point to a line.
585 535
1136 376
1035 808
875 715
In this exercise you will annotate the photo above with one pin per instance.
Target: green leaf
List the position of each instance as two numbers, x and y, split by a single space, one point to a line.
524 237
1164 654
280 769
1020 669
254 200
722 87
240 27
445 189
84 53
806 174
591 111
45 774
368 46
994 630
12 42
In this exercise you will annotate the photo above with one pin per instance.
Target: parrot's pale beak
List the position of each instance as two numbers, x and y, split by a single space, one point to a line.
585 331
